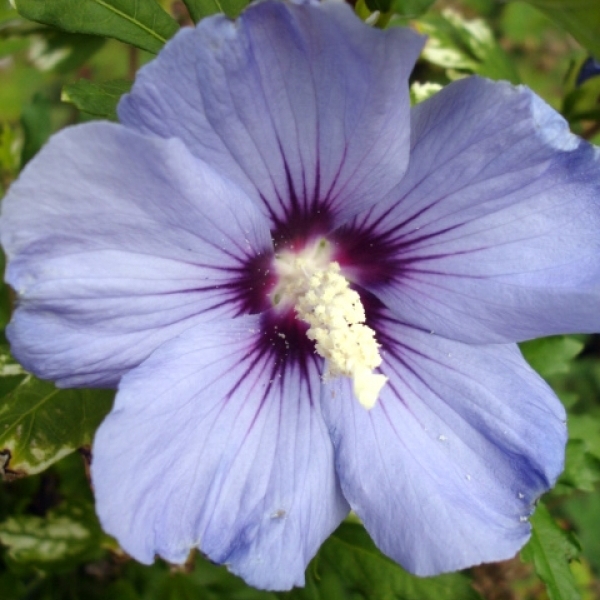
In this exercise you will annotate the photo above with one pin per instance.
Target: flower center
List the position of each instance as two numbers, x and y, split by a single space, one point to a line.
321 296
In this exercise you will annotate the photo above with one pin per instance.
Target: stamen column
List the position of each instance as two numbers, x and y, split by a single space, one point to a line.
322 297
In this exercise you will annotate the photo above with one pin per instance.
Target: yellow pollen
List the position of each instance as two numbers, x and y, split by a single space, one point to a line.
323 298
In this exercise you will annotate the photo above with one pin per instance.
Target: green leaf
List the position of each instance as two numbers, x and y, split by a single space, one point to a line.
581 18
9 167
7 12
11 588
552 355
583 102
64 537
550 549
98 99
199 9
12 46
380 5
350 566
37 127
586 427
142 24
582 469
458 44
39 424
124 590
18 27
198 580
583 511
409 9
61 51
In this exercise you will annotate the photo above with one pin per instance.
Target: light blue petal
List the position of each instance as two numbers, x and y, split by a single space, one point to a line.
494 233
445 470
216 442
303 106
117 242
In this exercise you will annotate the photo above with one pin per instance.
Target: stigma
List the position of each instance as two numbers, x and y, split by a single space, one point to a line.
322 297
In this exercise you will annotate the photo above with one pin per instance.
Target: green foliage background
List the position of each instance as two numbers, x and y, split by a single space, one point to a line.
66 61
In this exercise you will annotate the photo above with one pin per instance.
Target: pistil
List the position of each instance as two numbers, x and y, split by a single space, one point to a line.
322 298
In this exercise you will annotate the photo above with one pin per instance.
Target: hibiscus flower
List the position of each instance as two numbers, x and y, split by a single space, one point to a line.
309 295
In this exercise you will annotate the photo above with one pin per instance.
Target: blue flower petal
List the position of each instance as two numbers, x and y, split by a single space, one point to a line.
303 106
117 242
494 233
444 471
218 443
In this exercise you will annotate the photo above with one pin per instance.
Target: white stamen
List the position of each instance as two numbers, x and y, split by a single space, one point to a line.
323 298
